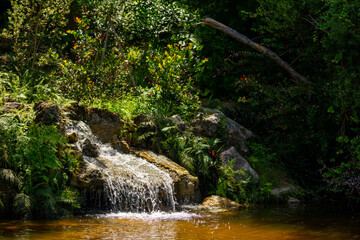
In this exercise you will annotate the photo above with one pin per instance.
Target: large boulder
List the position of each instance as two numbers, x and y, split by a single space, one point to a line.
104 124
87 178
186 186
216 203
90 149
284 189
240 163
47 113
206 126
234 133
181 125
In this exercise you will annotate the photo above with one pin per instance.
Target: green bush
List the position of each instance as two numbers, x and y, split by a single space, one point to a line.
33 159
35 28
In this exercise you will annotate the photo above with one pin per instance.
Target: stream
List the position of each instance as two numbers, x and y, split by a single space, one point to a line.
301 222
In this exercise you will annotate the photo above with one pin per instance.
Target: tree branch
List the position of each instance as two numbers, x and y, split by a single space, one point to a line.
248 42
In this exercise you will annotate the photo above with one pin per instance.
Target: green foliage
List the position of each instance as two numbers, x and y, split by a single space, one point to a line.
343 179
44 179
34 161
155 21
267 164
231 184
187 150
172 73
92 74
34 27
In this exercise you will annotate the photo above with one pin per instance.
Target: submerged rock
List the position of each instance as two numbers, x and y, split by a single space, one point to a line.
216 203
240 163
186 186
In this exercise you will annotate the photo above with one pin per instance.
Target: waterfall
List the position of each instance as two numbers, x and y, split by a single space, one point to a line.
131 184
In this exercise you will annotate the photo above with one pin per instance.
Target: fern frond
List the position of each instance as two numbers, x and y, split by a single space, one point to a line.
9 176
23 205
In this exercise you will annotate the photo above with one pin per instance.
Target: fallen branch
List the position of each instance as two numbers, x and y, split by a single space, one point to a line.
248 42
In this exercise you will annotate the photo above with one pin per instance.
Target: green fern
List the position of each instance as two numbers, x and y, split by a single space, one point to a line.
10 177
23 205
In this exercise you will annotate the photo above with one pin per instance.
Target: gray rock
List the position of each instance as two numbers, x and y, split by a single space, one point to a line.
288 188
207 126
47 113
13 107
235 134
90 149
186 186
182 126
87 179
104 124
293 201
141 118
216 203
240 162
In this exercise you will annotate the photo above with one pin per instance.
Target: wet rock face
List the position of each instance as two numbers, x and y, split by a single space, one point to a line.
72 138
104 124
186 186
216 203
122 146
240 163
47 113
91 180
90 149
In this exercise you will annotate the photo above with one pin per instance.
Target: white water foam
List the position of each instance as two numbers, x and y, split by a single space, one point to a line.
132 183
154 216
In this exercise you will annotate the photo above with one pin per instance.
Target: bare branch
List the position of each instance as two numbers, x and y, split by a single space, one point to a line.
248 42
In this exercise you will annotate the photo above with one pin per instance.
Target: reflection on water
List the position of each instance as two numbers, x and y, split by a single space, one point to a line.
247 223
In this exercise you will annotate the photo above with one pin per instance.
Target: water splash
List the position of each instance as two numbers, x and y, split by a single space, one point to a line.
131 183
154 216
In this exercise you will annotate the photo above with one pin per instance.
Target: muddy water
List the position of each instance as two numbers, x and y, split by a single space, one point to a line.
247 223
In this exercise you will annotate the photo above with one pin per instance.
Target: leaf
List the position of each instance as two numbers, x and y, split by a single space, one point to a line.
23 204
9 176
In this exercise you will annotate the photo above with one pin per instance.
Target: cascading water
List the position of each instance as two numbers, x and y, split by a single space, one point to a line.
131 183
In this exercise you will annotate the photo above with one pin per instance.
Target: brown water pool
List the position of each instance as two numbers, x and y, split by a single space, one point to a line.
246 223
